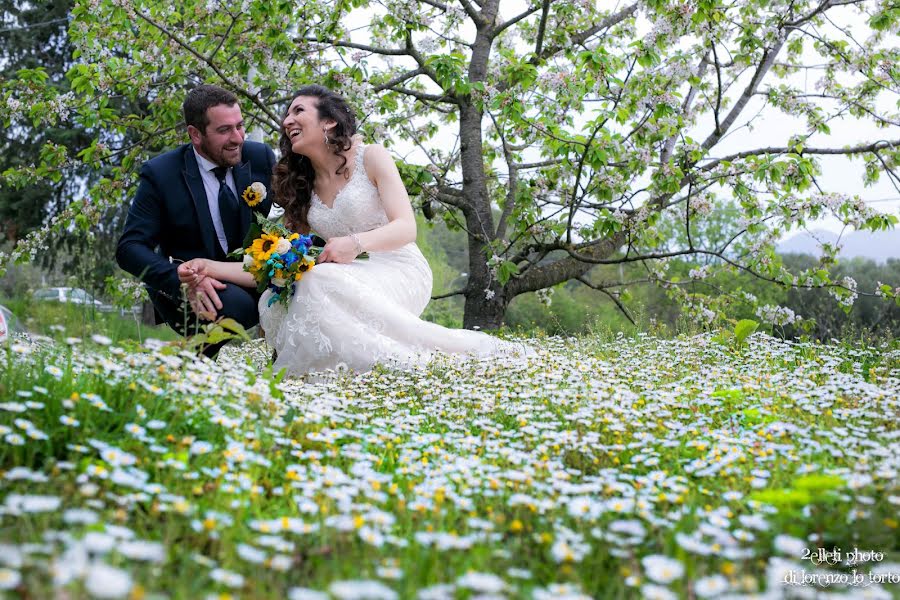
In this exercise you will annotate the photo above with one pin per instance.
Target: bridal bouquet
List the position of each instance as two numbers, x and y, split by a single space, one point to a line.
276 258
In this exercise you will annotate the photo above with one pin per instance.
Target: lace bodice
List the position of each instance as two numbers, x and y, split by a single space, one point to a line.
356 208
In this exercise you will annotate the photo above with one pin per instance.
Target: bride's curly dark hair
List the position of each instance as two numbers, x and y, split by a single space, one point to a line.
294 177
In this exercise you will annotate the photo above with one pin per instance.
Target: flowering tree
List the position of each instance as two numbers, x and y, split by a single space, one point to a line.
32 34
558 135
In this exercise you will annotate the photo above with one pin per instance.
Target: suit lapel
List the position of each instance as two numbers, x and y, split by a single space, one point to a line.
242 181
194 183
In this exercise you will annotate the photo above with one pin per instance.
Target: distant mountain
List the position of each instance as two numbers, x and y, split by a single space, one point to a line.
878 246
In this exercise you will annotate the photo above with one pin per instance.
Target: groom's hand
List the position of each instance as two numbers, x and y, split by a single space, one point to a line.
204 297
201 288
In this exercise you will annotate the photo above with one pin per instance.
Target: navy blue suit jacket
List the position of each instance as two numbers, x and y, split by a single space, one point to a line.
169 216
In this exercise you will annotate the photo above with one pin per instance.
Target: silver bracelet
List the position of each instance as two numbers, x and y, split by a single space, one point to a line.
359 246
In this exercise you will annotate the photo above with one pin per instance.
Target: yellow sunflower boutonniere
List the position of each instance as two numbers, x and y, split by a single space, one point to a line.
254 194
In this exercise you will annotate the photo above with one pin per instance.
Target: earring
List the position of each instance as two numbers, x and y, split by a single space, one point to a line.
327 141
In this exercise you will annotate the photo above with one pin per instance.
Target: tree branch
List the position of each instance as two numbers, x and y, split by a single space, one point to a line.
611 297
238 89
399 79
473 13
542 27
372 49
449 294
579 171
449 199
669 147
850 102
763 68
718 108
564 269
785 149
892 176
537 165
231 25
450 191
512 185
580 38
527 13
425 97
819 10
609 21
420 60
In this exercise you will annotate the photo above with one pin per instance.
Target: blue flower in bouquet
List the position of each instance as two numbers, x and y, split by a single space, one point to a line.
277 259
290 258
302 243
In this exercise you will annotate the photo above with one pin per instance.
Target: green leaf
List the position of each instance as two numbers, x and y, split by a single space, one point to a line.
751 416
506 271
723 338
254 232
232 326
881 21
728 394
818 483
782 498
743 330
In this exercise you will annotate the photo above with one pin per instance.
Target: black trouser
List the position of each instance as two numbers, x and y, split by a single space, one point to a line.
238 303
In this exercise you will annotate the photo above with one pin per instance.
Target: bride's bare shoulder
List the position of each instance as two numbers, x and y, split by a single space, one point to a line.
376 155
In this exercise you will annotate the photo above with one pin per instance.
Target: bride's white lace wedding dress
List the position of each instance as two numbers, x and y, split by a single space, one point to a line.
355 315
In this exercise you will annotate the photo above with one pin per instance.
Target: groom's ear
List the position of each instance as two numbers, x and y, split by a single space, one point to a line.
195 134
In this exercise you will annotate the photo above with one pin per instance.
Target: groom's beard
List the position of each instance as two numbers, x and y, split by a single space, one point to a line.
219 155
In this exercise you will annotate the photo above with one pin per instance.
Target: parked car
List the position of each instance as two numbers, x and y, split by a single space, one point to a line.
67 295
131 310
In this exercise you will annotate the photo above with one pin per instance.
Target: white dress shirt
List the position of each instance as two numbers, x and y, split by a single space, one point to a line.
211 185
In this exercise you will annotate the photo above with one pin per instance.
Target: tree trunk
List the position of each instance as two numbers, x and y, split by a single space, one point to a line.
482 313
486 301
148 316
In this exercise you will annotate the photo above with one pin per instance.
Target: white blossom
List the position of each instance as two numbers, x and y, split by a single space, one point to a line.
776 315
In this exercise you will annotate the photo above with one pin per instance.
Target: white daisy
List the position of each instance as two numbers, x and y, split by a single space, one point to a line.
662 569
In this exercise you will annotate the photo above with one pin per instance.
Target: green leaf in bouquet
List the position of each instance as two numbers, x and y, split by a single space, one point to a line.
253 233
270 227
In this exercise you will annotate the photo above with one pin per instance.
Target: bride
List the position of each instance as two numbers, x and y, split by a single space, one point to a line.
347 313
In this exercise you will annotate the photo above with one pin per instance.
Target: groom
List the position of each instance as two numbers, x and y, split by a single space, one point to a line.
191 203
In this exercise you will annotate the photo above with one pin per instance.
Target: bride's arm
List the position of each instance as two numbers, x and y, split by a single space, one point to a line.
198 268
401 227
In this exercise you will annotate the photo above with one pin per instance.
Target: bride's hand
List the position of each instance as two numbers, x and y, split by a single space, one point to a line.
192 272
338 250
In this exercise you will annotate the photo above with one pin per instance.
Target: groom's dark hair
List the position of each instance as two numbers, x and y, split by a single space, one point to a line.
202 98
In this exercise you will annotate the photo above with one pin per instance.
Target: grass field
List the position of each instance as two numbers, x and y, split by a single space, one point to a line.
620 468
60 321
